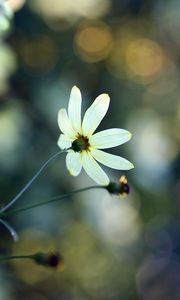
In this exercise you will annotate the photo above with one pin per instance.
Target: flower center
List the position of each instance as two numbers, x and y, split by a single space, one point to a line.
80 144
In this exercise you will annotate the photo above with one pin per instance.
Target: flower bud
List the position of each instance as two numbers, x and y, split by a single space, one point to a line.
52 260
121 187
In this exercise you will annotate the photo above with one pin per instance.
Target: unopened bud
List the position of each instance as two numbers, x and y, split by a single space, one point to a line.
121 188
52 260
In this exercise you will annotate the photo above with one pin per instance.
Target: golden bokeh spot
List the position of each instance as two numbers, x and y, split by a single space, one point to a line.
93 42
144 59
124 34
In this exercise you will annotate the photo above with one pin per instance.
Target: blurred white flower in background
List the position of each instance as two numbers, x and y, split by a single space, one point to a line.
16 4
6 15
118 223
153 148
69 10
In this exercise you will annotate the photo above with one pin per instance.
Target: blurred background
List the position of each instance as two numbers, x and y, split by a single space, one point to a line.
113 248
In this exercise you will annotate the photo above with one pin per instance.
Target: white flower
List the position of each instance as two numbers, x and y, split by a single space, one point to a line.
84 144
6 15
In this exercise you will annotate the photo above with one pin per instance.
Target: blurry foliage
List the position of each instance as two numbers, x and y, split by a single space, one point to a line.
112 249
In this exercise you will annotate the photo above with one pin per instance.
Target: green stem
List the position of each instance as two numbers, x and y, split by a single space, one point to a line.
5 258
30 181
57 198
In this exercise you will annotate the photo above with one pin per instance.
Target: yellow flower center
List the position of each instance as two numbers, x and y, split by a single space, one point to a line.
80 144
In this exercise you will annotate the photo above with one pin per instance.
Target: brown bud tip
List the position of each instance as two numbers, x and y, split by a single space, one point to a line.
124 186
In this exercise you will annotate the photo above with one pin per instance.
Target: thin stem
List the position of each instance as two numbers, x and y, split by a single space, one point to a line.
10 229
31 181
57 198
5 258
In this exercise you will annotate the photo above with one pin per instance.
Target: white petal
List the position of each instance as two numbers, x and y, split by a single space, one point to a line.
94 114
65 124
64 142
112 161
93 169
74 108
73 163
109 138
